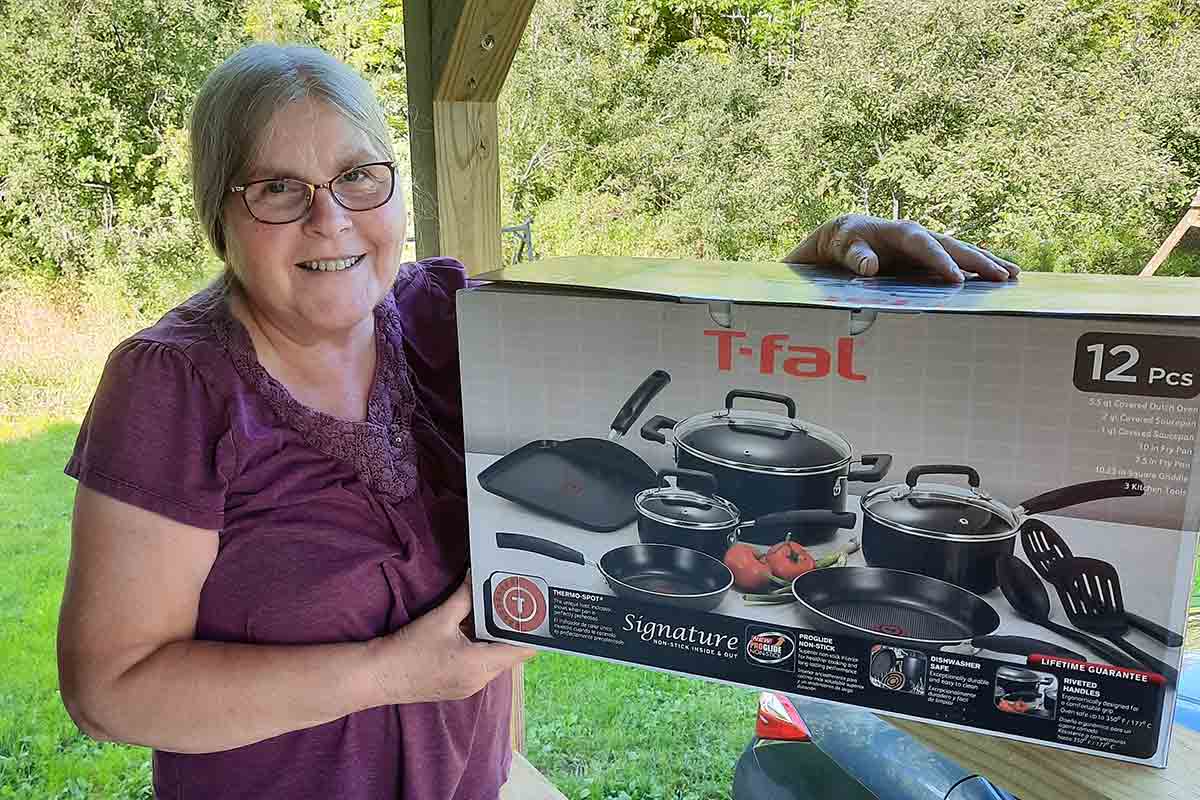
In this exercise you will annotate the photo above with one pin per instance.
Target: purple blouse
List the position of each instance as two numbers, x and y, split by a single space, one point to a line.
330 531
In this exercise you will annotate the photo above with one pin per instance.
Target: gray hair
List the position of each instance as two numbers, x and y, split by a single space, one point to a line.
234 108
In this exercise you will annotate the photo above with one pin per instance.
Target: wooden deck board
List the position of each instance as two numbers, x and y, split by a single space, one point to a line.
526 783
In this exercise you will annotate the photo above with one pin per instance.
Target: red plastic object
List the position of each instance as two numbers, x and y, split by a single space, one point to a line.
779 720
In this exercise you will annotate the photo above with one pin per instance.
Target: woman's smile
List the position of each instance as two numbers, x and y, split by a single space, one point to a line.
343 264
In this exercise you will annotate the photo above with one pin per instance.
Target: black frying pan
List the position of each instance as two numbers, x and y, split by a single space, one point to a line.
882 662
653 573
586 482
906 610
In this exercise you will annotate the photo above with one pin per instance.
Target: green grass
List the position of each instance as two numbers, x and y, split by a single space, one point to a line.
618 733
42 754
1196 591
596 730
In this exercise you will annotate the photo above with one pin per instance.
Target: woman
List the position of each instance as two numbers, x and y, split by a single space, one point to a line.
269 543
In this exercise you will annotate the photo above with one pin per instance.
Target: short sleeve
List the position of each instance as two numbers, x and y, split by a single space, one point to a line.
156 437
443 277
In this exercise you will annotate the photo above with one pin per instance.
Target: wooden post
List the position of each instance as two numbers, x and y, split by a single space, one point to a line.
516 728
1190 219
458 54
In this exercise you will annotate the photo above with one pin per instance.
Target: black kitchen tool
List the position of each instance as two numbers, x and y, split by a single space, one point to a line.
1028 596
690 514
955 533
907 610
653 573
1044 547
1090 592
913 667
586 482
1050 700
766 462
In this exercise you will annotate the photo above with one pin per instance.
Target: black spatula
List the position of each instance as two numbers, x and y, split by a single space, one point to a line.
1091 594
1027 595
1044 548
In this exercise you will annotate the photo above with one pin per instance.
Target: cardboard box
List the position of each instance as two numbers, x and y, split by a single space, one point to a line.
793 388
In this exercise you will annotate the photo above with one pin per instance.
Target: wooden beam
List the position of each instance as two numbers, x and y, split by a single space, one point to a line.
477 46
526 783
1190 219
516 727
421 80
458 54
468 183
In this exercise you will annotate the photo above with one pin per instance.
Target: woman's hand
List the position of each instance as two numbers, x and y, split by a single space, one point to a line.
872 246
432 659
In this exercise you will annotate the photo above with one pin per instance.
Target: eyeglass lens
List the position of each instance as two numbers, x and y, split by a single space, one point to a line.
286 199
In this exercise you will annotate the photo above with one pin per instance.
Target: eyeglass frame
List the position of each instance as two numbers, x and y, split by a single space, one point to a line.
312 191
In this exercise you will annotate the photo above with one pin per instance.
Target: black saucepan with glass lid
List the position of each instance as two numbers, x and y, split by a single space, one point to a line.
1017 679
690 514
957 533
766 462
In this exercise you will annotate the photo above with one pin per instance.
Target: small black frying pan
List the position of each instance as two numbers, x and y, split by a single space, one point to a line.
652 573
882 661
907 610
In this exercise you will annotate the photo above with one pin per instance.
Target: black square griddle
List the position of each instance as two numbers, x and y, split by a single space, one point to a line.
588 483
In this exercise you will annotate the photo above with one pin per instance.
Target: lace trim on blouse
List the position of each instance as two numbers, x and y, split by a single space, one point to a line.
381 448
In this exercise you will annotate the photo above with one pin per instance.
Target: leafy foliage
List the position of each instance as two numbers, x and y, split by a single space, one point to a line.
1065 133
1060 132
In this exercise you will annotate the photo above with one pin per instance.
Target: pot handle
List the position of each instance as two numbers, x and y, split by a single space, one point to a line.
706 481
807 516
942 469
1078 493
770 398
1023 646
543 547
874 468
652 431
638 401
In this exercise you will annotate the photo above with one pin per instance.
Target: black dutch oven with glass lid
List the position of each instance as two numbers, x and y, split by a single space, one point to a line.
957 533
766 462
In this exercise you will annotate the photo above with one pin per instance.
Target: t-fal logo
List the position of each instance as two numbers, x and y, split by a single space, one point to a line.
775 353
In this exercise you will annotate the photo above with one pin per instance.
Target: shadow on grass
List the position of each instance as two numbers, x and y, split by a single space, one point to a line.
42 753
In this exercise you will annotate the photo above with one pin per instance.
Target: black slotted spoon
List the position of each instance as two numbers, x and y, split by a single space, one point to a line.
1091 594
1027 595
1045 548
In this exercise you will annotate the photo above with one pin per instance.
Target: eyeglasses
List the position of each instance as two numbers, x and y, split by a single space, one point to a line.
278 201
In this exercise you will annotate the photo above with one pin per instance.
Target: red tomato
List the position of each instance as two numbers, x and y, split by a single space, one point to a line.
1013 706
750 572
789 560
